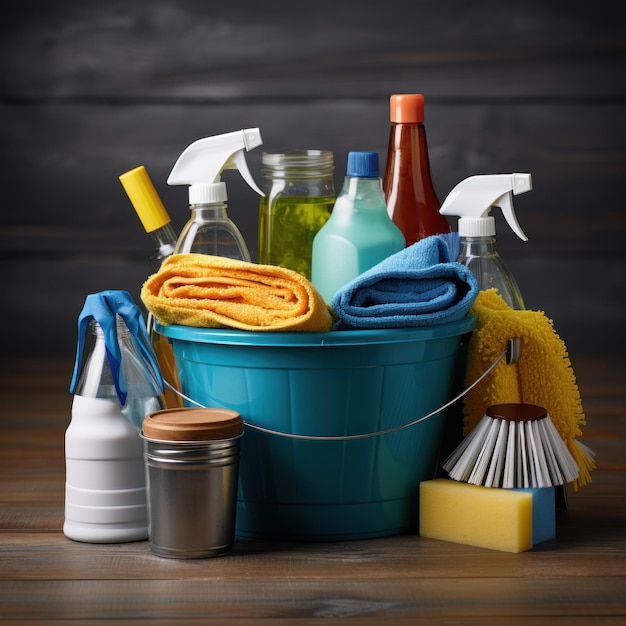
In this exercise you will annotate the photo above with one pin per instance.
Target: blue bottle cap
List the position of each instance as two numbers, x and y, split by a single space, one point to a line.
104 308
363 164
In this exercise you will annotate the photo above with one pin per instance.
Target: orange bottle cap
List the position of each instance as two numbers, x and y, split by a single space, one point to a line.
407 108
189 424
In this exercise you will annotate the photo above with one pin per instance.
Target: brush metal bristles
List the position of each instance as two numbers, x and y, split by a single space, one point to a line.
513 445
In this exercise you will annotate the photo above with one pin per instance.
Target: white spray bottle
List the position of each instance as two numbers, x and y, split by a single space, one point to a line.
472 200
210 230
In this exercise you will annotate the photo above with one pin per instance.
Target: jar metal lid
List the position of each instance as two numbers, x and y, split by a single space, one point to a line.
298 163
189 424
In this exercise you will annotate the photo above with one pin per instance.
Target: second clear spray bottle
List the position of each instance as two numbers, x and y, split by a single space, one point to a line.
472 200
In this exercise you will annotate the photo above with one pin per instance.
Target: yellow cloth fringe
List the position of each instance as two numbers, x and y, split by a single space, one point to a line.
216 292
542 375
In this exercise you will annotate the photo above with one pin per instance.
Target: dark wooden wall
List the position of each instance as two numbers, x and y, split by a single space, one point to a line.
89 90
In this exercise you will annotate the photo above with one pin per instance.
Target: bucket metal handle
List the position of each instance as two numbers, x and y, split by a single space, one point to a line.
511 353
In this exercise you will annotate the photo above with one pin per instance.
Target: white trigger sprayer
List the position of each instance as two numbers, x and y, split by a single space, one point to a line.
210 230
472 200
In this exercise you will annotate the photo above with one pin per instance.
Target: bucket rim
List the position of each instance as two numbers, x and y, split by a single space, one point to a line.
299 339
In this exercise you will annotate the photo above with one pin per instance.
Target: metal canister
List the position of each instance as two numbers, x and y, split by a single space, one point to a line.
192 469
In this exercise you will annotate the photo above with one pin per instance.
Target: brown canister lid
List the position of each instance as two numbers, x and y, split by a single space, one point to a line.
516 412
189 424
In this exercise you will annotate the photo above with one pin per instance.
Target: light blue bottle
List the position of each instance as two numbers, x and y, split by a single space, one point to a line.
359 233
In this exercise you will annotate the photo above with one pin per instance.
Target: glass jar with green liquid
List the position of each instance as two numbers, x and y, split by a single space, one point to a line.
299 197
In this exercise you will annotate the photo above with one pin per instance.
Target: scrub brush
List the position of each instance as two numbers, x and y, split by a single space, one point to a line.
513 446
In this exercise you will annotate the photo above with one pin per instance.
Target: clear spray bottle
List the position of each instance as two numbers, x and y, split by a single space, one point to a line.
157 223
150 210
472 200
210 230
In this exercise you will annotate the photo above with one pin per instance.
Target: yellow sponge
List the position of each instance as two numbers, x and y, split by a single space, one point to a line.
486 517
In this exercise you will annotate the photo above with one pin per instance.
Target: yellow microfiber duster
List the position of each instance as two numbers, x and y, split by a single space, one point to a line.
542 375
216 292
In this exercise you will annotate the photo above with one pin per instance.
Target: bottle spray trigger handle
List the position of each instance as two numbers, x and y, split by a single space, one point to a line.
506 205
238 161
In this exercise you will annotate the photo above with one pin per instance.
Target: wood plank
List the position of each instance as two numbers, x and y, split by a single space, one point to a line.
581 322
207 52
571 173
591 531
73 251
57 558
288 598
552 620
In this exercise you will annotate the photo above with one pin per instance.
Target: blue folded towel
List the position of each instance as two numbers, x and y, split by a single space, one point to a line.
418 286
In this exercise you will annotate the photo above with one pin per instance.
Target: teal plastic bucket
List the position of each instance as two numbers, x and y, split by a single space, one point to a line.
339 384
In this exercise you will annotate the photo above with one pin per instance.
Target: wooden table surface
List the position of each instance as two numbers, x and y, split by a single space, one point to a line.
577 578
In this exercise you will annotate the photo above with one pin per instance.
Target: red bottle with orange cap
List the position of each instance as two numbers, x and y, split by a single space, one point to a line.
409 191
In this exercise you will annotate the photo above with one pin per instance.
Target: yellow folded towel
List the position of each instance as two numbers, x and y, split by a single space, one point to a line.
216 292
542 375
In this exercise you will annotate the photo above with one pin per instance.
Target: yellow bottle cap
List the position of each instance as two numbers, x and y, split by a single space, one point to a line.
145 199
